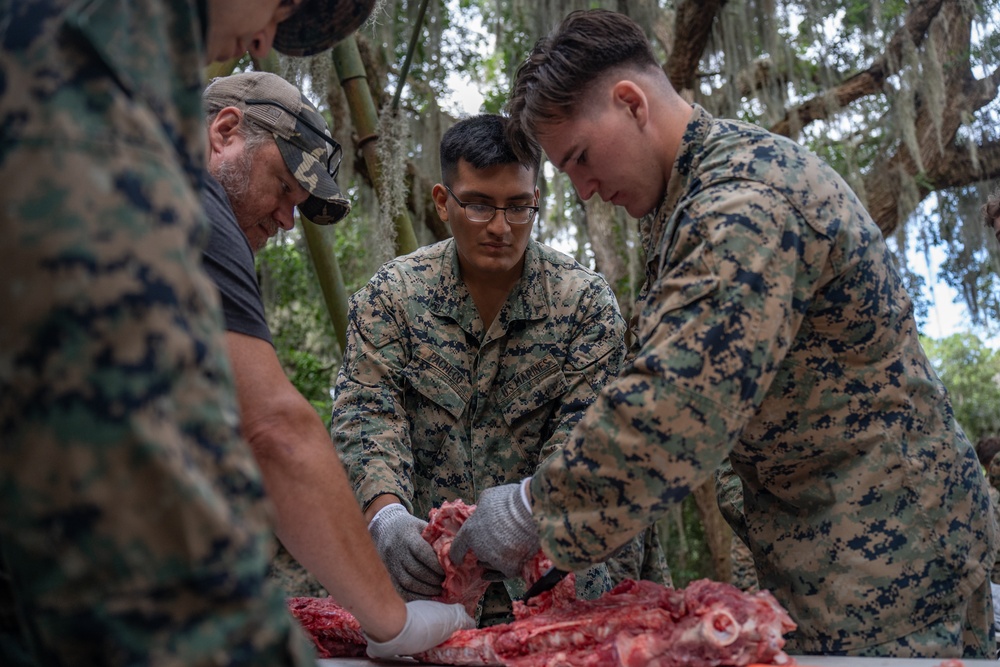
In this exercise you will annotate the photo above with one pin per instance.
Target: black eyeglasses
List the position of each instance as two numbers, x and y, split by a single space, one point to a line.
515 215
336 155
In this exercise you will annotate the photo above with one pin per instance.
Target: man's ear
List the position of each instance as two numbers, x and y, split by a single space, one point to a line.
224 128
440 197
629 96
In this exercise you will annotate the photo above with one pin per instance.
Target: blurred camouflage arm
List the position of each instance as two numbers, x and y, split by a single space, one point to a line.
369 425
714 330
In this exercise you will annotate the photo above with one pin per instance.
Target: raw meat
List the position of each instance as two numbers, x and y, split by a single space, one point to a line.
638 623
334 631
561 594
463 584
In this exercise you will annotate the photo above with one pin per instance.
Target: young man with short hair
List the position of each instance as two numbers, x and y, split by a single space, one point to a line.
470 361
777 332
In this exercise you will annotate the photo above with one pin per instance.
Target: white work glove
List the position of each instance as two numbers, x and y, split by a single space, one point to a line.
414 567
500 533
427 625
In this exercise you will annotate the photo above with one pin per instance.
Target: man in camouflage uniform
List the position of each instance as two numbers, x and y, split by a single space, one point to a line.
778 333
469 361
133 525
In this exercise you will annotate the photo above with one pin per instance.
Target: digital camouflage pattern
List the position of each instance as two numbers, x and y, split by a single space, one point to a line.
133 525
777 332
432 407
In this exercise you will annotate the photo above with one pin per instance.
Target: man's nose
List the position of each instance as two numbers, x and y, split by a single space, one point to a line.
584 187
498 223
285 217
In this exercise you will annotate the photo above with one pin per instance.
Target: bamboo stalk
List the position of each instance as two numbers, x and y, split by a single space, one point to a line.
354 80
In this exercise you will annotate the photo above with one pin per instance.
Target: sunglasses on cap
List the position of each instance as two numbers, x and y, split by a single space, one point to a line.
336 155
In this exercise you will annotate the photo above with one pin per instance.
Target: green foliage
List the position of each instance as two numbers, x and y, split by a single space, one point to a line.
971 373
355 256
296 314
682 535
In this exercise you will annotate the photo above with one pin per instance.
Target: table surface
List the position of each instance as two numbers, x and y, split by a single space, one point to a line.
803 660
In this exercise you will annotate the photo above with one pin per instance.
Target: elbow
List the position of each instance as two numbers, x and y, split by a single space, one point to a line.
287 435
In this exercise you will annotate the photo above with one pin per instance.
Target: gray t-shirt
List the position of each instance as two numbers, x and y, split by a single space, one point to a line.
228 261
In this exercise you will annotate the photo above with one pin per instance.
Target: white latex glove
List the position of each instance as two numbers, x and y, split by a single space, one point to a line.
414 567
427 625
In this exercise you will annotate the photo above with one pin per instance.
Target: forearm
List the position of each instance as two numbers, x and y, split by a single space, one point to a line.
586 512
317 516
371 435
319 522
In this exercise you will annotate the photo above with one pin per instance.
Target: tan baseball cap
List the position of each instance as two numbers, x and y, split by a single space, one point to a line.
299 130
319 24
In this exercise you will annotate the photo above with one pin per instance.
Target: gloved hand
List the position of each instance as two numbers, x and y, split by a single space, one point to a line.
414 567
500 533
427 625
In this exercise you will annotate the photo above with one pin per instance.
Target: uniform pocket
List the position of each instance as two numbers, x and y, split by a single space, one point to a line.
528 401
438 381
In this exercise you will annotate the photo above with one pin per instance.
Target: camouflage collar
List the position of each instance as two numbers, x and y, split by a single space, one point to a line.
654 229
528 300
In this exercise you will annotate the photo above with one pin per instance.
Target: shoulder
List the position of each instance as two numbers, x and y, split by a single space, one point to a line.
227 244
415 273
420 266
562 270
748 151
740 158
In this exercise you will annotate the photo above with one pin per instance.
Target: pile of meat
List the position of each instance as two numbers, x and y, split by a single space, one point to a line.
637 623
334 631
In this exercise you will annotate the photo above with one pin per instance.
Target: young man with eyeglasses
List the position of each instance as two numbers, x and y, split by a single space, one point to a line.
469 361
270 152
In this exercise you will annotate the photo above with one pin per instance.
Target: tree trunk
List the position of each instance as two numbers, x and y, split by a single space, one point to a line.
603 230
718 534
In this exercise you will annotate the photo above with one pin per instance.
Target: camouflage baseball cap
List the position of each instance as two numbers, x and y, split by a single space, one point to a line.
310 153
319 24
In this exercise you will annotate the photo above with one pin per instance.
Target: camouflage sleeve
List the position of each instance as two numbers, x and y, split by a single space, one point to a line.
369 424
134 529
134 522
717 322
593 359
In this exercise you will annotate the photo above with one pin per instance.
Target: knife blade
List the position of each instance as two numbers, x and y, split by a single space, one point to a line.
546 582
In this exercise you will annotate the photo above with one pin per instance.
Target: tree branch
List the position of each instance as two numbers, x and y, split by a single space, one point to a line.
870 81
958 169
692 30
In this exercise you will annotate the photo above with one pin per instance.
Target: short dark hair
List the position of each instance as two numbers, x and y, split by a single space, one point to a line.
482 142
991 209
562 66
986 449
